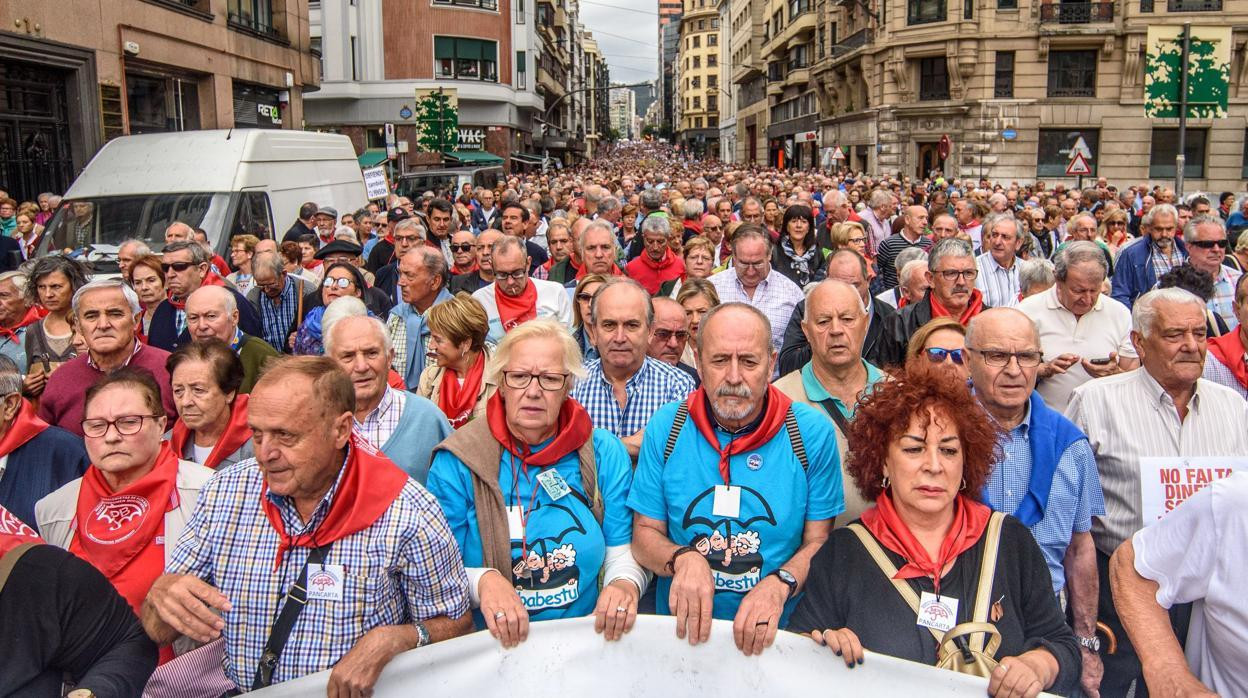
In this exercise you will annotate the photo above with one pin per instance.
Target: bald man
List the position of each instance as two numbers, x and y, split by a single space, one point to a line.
212 312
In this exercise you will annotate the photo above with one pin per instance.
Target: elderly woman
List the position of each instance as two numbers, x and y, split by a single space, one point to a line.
212 415
798 256
242 251
942 341
699 258
341 279
697 297
922 450
586 289
124 514
456 382
52 283
147 278
535 496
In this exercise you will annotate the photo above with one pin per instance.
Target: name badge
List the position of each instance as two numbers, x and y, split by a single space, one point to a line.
553 483
515 523
727 501
939 613
325 582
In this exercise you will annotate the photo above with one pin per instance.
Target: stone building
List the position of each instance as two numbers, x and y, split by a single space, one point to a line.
697 78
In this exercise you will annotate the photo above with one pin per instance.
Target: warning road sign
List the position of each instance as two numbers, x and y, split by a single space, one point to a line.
1078 166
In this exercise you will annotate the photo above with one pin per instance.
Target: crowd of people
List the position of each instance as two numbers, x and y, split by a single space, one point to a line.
895 414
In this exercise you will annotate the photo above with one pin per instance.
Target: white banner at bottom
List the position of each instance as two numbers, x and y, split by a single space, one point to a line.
566 657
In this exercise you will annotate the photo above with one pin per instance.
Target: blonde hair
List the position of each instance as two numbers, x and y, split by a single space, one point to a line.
699 243
839 234
459 319
540 328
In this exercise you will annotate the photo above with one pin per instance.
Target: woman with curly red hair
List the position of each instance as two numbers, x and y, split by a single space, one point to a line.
922 449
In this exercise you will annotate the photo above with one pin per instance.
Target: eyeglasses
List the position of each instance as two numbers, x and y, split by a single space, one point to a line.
955 274
751 265
336 283
512 275
1209 244
1026 359
408 239
858 240
127 425
937 355
666 335
1116 223
585 297
550 382
177 266
463 247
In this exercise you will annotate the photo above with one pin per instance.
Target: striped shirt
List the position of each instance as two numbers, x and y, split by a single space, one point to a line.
653 385
379 424
775 297
403 568
887 253
1219 373
999 285
1129 416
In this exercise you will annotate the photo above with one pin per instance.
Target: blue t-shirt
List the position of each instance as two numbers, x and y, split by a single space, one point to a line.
777 499
555 567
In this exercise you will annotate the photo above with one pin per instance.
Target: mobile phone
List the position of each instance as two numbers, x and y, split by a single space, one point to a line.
1099 362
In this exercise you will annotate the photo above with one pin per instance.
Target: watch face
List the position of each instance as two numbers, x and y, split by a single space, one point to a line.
785 576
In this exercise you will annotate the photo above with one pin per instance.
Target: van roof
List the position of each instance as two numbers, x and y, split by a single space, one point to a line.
197 161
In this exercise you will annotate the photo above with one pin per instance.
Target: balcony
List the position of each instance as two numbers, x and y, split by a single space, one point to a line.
856 40
1082 12
1194 5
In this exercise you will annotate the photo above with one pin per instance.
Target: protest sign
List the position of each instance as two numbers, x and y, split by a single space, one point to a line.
1165 483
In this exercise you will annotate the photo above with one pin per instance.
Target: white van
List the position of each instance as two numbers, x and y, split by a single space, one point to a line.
226 182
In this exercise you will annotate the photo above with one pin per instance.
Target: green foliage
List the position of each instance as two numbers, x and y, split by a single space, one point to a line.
1207 81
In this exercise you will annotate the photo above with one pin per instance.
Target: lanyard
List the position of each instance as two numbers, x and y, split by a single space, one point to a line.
524 513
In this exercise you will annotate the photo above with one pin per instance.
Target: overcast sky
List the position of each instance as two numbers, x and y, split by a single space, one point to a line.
619 26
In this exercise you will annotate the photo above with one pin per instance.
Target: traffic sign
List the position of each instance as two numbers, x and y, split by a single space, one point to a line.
838 154
1009 134
1078 166
1081 147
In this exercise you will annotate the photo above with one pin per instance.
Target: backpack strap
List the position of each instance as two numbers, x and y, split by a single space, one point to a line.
9 561
682 415
890 570
987 572
795 439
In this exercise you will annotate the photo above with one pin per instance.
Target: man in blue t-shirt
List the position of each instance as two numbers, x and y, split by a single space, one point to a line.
735 489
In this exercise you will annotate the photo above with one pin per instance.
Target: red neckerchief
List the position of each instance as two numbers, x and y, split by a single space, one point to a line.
513 310
969 520
580 274
973 308
571 432
114 527
34 314
1229 348
456 401
210 279
456 270
312 265
369 484
968 226
326 240
26 426
695 226
773 419
236 434
14 532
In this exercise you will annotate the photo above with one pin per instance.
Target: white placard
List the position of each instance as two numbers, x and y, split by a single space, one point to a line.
375 184
1165 483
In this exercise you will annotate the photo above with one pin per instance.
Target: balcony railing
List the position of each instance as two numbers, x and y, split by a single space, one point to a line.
856 40
1194 5
1079 12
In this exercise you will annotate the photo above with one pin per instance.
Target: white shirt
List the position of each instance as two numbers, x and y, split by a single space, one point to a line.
553 301
1103 330
1196 553
999 285
1128 416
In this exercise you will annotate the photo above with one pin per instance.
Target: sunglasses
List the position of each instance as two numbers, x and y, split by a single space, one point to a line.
336 283
1209 244
937 356
463 247
177 266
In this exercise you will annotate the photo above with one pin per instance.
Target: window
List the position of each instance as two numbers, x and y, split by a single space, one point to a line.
519 11
1161 163
933 80
799 57
355 59
1053 154
253 217
712 39
314 46
925 11
697 62
968 9
480 4
697 102
1072 73
712 81
697 41
697 122
712 61
256 15
1003 85
160 104
465 59
697 83
701 25
1194 5
1007 4
712 103
797 7
522 70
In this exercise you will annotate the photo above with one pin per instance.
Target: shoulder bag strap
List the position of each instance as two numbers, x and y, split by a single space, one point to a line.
795 439
589 477
890 571
296 599
9 561
835 413
987 572
682 414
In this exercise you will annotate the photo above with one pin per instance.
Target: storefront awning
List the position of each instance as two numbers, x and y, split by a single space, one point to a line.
372 157
528 158
473 157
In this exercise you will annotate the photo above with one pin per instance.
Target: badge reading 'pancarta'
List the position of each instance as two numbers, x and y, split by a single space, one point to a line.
754 461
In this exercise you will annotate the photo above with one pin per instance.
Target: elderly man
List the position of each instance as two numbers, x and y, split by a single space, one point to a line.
944 225
186 266
382 252
1141 264
876 217
751 280
596 252
305 223
422 285
749 455
911 281
910 235
1205 237
483 275
670 335
278 299
484 214
998 265
405 426
514 297
1164 409
127 252
16 314
836 376
316 497
408 234
104 312
623 387
1047 476
1083 334
326 219
751 211
658 264
463 253
951 273
1227 360
212 312
559 244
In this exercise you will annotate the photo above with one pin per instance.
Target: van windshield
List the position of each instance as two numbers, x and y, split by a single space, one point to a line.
97 226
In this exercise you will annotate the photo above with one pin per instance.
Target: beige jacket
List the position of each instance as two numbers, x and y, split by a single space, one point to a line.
431 384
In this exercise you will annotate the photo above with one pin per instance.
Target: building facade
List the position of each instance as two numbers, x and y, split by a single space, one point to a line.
76 73
697 78
623 111
669 42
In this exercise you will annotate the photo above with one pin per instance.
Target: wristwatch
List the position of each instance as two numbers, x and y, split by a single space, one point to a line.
788 578
1092 643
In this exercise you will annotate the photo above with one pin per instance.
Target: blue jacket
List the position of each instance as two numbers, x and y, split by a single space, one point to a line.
38 468
1134 275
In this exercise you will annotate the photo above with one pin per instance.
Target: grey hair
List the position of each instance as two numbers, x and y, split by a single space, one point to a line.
1144 313
503 244
993 219
656 224
880 197
833 199
949 247
907 271
132 298
998 198
198 254
227 299
1078 252
607 205
706 321
1082 214
271 261
908 255
692 209
1032 272
140 247
10 376
621 281
344 307
1189 230
412 224
702 181
1159 209
601 225
18 279
651 200
539 328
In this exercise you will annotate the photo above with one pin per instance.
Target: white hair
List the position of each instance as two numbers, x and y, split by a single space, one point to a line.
910 269
540 328
1144 313
345 307
132 298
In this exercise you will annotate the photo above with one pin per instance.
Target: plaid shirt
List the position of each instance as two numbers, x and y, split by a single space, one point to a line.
775 297
1162 262
379 424
655 384
1224 295
277 317
403 568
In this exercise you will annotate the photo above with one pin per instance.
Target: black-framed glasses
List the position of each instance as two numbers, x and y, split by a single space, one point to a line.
336 283
516 275
994 357
463 247
937 355
177 266
1210 244
666 335
127 425
550 382
954 274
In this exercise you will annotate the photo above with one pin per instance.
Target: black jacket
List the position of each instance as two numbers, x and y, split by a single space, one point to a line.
163 333
878 348
468 283
782 263
297 231
386 279
911 318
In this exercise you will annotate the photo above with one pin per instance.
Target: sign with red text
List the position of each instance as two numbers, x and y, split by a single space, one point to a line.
1165 483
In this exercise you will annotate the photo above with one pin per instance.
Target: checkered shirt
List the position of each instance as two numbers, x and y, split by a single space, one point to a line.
276 318
1224 295
379 424
403 568
1162 262
775 297
999 285
655 384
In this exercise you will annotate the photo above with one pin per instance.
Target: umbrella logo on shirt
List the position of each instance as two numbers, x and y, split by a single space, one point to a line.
121 514
730 545
544 570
